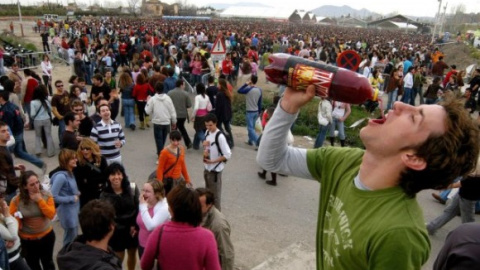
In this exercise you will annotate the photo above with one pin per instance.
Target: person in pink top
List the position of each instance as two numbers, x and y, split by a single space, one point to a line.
196 66
182 243
153 211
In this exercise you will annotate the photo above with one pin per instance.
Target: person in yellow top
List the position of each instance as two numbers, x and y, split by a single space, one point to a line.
34 209
376 80
172 169
436 55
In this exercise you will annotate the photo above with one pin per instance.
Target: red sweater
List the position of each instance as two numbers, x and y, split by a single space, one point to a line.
31 84
182 247
141 91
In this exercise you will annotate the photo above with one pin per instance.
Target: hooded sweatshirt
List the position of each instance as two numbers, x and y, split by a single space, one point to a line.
78 255
161 110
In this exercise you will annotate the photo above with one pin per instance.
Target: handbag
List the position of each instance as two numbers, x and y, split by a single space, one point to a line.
168 181
156 265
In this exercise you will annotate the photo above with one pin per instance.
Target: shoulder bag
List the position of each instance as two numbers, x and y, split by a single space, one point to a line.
168 181
157 264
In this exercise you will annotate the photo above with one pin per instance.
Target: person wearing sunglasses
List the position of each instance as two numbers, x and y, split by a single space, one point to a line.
60 107
90 171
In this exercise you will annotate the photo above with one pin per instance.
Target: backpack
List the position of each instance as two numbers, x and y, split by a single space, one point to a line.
217 144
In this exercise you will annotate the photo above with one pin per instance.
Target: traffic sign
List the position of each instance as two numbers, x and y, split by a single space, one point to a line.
349 59
218 47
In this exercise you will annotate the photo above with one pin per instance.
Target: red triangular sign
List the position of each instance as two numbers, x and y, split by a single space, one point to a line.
218 47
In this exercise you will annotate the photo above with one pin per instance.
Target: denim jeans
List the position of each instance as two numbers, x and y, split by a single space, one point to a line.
414 96
341 129
19 151
69 235
252 136
198 138
160 133
322 133
46 125
129 111
2 69
392 97
61 130
407 95
465 207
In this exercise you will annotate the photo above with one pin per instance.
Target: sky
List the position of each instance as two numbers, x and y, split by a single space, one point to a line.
405 7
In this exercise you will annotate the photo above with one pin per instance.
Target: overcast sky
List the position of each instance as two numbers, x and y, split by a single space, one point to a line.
406 7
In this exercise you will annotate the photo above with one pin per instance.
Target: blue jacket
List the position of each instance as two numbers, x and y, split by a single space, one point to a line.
169 84
64 188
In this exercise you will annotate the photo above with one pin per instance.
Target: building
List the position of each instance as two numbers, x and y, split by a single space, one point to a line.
402 23
152 8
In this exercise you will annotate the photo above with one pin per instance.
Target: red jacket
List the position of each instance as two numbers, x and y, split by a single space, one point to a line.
31 84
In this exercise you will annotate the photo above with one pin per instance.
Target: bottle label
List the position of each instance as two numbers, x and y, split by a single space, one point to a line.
301 76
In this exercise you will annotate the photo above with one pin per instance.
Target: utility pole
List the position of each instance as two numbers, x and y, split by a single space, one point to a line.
442 26
20 17
437 20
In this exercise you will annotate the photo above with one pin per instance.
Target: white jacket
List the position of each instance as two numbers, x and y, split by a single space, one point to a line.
161 110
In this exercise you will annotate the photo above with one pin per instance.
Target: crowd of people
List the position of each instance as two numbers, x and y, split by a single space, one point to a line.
144 68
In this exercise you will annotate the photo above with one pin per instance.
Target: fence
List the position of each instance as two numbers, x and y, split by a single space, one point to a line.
29 60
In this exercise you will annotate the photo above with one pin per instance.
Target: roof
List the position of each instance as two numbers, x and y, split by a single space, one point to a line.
398 18
404 25
257 12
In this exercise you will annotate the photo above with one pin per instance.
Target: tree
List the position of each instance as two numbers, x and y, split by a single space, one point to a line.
132 6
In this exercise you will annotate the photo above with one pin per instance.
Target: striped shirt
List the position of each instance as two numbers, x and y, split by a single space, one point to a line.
106 134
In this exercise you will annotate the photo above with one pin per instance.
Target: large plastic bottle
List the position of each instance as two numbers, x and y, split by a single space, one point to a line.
337 83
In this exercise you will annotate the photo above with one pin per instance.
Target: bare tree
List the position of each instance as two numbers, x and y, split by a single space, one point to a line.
132 6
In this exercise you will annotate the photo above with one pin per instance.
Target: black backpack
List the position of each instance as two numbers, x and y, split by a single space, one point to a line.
217 144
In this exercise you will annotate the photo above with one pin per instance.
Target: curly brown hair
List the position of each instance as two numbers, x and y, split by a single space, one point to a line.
447 155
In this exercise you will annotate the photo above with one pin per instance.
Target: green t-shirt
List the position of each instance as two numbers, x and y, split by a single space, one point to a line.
360 229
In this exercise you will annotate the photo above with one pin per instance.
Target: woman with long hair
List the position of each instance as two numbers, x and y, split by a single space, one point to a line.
201 107
66 194
76 93
223 110
35 209
125 83
172 168
199 249
90 171
124 197
153 211
41 116
196 66
46 72
394 85
141 91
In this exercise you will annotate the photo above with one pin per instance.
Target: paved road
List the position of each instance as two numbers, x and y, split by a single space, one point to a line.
265 220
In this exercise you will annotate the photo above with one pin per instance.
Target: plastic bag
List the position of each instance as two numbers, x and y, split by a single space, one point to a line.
258 125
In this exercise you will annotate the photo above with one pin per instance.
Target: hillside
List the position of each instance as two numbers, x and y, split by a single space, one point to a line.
338 11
